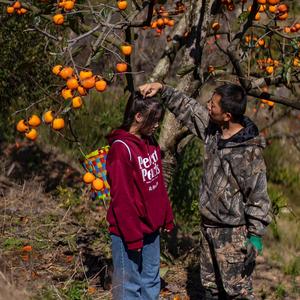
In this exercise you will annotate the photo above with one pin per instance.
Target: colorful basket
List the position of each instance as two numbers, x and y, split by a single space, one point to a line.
95 163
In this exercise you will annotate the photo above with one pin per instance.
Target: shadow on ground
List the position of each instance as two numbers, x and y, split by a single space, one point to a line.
24 161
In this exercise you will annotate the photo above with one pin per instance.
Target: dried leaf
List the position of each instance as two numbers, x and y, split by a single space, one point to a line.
69 258
91 290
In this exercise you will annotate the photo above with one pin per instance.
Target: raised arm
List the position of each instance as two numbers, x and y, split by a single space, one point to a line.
187 110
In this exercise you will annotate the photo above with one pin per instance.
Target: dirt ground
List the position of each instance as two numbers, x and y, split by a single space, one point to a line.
55 245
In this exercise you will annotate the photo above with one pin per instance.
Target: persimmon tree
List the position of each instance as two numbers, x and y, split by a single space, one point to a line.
191 45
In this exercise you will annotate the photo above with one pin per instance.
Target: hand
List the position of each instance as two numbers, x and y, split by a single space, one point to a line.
250 259
253 248
150 89
250 254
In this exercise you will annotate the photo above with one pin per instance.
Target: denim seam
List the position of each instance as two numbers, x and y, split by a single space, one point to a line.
123 269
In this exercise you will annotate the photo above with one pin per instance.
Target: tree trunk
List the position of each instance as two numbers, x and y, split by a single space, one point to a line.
172 132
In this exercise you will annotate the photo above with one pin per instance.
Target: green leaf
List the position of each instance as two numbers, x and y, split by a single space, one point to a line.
163 271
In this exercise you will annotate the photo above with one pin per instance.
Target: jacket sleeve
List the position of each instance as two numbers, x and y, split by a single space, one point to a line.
187 110
257 206
122 194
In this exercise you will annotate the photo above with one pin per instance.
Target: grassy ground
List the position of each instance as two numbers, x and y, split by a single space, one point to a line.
70 258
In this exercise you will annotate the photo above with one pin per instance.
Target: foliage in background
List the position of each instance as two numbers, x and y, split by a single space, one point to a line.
25 70
101 113
283 175
184 190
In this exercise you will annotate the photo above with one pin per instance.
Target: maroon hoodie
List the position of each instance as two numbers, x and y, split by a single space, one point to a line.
140 203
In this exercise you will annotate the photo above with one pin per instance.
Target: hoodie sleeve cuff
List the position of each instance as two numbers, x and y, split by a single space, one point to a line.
135 245
169 226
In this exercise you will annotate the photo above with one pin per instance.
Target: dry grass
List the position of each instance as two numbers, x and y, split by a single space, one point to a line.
10 291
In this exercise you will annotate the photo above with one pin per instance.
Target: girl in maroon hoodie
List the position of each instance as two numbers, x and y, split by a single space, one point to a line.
140 205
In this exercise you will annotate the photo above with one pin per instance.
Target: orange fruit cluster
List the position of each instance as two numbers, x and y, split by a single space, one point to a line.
282 12
269 65
78 85
160 23
273 6
64 6
292 29
16 8
28 127
97 183
162 19
254 40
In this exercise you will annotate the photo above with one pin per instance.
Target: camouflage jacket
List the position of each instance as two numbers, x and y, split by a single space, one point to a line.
233 189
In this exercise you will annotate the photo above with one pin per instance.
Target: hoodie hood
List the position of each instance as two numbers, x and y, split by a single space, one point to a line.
121 134
249 135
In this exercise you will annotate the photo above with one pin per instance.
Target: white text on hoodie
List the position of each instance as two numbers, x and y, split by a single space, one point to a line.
149 167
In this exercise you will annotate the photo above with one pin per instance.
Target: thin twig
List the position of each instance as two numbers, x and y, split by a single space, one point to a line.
75 40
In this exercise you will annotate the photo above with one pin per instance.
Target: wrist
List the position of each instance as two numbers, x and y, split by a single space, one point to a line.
159 86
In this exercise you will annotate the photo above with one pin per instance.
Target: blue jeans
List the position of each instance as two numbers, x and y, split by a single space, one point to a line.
136 274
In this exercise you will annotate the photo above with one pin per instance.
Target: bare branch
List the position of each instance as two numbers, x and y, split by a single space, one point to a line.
295 103
44 33
73 41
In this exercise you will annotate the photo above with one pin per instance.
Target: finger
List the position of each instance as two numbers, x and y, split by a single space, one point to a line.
150 93
142 89
146 91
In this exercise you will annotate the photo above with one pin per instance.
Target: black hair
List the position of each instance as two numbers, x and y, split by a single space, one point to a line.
150 108
233 100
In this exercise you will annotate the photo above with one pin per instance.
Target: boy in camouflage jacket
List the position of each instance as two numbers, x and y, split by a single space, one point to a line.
234 204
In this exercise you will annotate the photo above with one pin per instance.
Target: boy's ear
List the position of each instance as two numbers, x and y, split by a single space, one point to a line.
138 117
227 117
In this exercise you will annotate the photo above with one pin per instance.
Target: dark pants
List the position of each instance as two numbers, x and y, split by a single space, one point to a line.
223 273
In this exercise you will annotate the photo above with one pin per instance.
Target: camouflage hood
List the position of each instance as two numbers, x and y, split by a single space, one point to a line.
248 136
